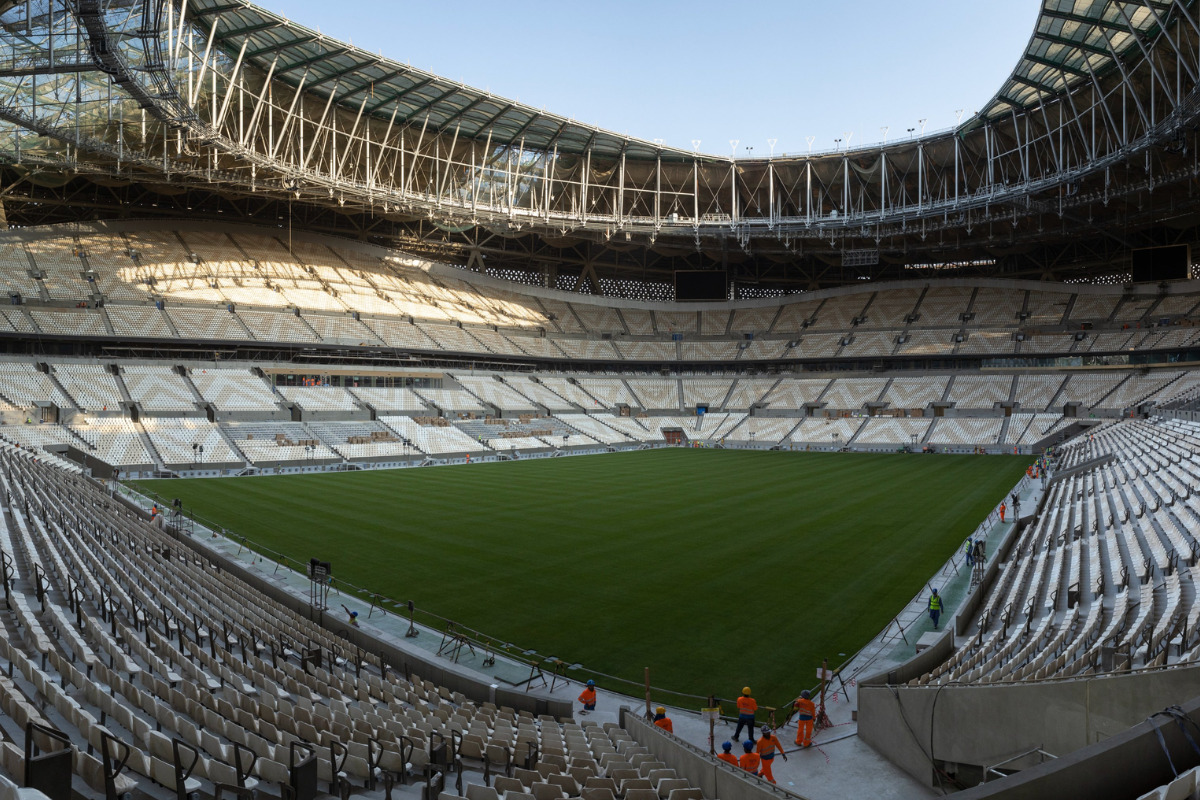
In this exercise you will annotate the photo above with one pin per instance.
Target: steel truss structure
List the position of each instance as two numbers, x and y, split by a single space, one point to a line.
1087 150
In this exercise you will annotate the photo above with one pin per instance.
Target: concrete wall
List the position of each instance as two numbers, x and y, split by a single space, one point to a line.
982 725
1126 765
715 778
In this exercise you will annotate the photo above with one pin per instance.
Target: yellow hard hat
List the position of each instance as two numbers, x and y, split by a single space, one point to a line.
660 710
746 690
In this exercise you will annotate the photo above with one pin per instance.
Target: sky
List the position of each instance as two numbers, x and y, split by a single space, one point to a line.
711 71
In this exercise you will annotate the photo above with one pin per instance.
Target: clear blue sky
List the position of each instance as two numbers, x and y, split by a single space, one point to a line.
707 70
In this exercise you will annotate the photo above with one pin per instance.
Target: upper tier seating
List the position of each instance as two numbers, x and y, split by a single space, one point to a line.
310 294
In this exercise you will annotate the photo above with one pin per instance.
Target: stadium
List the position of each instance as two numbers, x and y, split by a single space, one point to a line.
354 419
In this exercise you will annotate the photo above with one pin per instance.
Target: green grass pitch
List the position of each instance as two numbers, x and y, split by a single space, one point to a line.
714 568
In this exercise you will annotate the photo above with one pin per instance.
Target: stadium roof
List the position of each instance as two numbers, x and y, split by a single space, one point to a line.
1083 154
1076 41
381 87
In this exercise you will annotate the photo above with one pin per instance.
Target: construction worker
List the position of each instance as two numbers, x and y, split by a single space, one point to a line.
935 608
662 720
969 548
749 760
768 746
1003 507
588 697
726 753
353 615
806 713
746 708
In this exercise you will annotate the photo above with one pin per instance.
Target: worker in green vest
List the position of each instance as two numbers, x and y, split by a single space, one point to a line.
935 608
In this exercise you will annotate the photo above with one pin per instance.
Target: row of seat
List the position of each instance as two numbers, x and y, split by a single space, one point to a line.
1104 576
149 654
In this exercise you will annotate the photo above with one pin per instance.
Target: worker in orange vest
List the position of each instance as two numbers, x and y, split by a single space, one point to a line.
588 697
768 746
806 712
746 708
749 760
662 720
1003 507
727 755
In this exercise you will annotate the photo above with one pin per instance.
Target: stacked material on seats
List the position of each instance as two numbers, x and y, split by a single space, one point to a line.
361 440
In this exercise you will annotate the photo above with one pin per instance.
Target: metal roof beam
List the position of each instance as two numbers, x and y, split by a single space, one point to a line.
396 73
1045 62
275 48
466 108
308 62
1041 87
1082 19
219 9
508 107
400 95
430 104
1088 48
262 26
333 76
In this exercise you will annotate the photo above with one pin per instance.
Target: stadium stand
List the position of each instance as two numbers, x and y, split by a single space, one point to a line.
1104 565
158 388
148 695
493 282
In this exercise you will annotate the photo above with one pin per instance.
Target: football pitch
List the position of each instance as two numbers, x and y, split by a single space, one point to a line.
715 568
